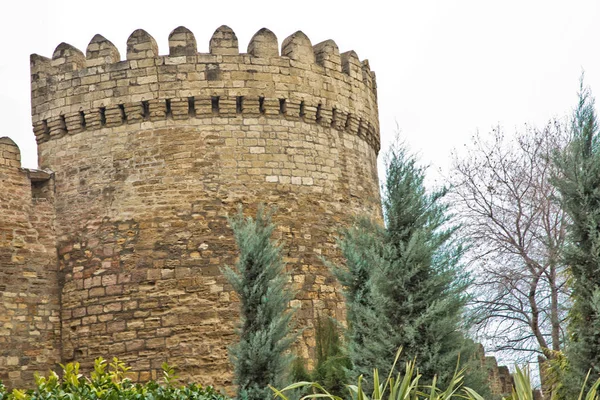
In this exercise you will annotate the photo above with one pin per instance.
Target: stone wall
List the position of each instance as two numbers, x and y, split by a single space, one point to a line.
499 377
501 381
29 295
151 154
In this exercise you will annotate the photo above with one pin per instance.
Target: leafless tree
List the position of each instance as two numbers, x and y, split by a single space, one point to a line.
517 228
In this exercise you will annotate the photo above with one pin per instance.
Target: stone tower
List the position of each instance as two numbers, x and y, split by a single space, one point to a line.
146 157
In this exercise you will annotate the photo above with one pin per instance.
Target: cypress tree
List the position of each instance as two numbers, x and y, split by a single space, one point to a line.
260 280
579 185
404 283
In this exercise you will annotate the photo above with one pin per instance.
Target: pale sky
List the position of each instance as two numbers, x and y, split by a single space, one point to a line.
445 68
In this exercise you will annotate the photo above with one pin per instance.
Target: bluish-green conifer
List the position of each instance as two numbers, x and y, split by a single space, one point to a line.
579 185
260 358
404 283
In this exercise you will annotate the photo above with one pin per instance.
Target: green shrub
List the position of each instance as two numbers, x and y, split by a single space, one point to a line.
108 381
332 362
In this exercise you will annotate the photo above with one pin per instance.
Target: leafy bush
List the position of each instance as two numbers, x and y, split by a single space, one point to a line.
109 381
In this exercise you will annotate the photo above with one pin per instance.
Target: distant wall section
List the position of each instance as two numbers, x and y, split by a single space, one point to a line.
499 377
29 295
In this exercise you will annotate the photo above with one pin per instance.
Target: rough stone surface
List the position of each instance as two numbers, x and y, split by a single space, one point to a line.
499 377
29 290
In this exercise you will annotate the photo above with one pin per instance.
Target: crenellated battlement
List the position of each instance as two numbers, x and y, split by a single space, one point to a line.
10 155
73 92
10 161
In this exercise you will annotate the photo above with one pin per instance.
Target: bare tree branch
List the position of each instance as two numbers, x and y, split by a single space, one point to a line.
501 190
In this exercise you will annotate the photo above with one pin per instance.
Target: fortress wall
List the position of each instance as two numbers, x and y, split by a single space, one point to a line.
499 377
150 156
29 295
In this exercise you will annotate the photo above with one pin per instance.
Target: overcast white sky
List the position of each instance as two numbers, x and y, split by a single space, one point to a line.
444 68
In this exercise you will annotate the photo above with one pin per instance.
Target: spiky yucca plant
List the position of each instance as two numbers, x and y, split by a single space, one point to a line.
523 390
402 386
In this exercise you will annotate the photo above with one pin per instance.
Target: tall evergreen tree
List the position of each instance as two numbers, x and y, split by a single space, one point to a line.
579 186
404 283
260 280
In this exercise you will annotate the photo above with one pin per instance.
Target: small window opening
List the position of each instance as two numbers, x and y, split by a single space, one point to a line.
319 116
82 119
168 110
261 105
122 111
145 109
45 127
239 104
214 100
282 106
102 111
39 190
191 106
302 113
63 123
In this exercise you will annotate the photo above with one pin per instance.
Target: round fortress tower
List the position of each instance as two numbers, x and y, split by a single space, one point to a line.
151 154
